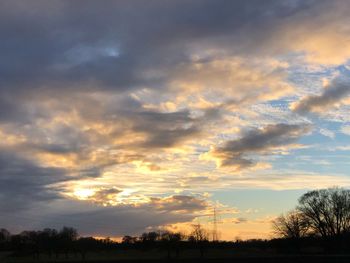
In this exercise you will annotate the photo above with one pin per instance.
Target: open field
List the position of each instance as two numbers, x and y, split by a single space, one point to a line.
255 259
214 256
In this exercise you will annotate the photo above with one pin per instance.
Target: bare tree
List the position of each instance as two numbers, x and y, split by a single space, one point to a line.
168 236
172 241
292 225
199 234
327 211
67 236
200 237
129 240
150 237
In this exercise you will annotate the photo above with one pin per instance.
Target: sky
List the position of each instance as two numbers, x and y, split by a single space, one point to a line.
119 117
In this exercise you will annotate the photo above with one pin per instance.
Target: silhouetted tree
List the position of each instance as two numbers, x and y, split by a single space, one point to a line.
48 239
86 244
66 237
172 241
5 238
150 237
128 240
292 225
4 235
68 234
327 211
200 236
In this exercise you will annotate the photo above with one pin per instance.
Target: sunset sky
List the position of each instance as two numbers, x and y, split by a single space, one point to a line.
119 117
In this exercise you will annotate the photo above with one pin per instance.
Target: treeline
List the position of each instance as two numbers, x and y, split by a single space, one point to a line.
52 243
322 217
172 242
66 242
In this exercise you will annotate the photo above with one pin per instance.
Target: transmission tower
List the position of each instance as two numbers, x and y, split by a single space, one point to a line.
215 226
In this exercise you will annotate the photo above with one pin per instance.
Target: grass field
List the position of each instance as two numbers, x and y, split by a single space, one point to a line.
187 256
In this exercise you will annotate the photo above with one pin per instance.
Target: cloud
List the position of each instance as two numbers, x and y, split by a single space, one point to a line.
293 181
115 221
69 137
285 180
179 203
164 129
24 184
241 79
341 148
234 220
332 95
327 133
110 47
102 196
345 129
266 140
271 179
120 221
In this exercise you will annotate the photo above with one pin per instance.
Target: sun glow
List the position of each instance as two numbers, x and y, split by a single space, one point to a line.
83 194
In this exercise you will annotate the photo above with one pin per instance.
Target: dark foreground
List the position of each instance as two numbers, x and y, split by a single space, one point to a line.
238 259
280 259
272 259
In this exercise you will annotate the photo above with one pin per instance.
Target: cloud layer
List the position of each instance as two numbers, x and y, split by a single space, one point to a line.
118 112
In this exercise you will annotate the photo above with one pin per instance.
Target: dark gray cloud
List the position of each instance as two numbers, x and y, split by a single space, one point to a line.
63 48
120 220
334 93
24 184
234 153
129 219
114 45
9 111
165 130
